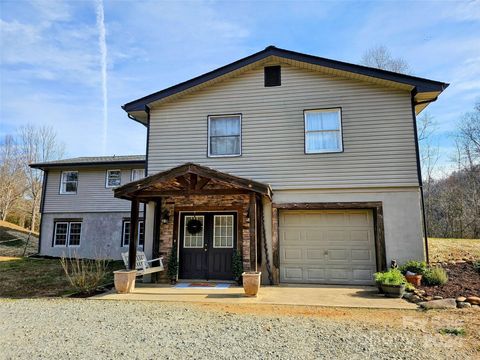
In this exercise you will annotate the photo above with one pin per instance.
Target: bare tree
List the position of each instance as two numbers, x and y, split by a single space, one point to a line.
37 144
380 57
12 177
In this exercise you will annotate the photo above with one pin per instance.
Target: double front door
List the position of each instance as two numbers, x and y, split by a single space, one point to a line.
207 242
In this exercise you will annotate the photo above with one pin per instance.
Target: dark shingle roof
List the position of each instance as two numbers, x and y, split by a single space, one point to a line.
92 161
421 85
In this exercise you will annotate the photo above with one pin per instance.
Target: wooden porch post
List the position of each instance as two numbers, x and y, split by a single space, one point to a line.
253 229
132 246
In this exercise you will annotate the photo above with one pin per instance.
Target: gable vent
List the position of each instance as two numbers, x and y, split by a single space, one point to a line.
272 76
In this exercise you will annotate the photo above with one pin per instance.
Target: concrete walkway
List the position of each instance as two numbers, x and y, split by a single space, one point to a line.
311 295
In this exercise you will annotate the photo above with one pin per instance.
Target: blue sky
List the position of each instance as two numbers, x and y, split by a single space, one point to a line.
51 63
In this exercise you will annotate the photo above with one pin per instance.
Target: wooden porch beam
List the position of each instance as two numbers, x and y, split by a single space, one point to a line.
201 184
153 194
193 181
132 246
183 182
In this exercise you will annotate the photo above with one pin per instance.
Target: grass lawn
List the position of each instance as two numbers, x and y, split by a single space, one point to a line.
31 277
443 250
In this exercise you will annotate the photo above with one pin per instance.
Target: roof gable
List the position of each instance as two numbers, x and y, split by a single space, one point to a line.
424 90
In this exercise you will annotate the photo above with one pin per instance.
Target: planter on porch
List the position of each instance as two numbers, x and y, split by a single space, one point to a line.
251 282
124 280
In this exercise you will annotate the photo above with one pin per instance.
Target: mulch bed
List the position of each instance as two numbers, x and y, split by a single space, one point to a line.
463 280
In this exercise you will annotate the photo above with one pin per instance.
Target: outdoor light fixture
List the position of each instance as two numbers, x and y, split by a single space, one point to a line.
165 216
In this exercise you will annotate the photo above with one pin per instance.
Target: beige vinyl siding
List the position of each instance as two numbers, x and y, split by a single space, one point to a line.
91 196
378 135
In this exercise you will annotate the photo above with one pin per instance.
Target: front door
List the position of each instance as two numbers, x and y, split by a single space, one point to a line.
206 251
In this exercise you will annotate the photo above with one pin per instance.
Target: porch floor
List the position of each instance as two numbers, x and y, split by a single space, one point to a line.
310 295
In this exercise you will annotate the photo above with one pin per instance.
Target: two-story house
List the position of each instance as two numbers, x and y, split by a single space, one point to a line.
79 214
308 167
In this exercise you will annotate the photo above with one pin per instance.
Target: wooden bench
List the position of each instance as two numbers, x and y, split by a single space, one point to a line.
143 266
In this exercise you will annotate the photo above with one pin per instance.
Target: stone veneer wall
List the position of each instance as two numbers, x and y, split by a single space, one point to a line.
202 202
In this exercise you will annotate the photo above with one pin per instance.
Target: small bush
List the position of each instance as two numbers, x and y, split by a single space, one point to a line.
172 265
452 331
409 287
435 276
416 267
476 266
237 265
390 277
85 275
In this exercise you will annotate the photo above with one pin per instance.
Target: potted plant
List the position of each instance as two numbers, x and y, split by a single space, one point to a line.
237 267
172 266
251 282
413 271
392 282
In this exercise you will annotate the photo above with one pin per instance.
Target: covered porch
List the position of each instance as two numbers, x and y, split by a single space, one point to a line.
203 217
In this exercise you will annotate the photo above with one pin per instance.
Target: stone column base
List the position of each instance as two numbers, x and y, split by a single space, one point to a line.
124 280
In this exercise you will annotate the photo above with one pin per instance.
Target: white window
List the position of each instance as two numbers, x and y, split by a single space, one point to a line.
224 135
126 233
223 231
69 182
113 178
67 233
323 131
193 240
138 174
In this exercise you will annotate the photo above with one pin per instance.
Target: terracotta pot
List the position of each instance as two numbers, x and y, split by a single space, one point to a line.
124 280
415 280
251 283
393 291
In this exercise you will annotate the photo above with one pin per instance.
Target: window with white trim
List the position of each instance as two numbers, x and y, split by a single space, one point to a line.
68 182
126 233
114 178
67 233
224 135
323 131
193 240
137 174
223 231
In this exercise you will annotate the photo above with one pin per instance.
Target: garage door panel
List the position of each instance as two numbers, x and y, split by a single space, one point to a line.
331 247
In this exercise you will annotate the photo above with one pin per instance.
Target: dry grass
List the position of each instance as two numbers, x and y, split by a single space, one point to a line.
8 225
34 277
444 250
14 238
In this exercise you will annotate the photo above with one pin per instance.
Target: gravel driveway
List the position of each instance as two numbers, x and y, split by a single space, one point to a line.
86 329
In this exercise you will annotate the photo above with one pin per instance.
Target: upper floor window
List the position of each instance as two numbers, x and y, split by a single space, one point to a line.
137 174
113 178
224 135
67 233
69 182
323 131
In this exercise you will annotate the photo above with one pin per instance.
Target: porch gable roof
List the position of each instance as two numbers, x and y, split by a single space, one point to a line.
189 179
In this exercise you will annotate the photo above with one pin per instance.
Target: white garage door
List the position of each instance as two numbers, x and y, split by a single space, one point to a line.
327 246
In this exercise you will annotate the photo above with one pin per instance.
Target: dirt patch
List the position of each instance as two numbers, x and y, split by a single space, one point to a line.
463 280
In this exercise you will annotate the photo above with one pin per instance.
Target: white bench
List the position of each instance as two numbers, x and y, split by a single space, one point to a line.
143 266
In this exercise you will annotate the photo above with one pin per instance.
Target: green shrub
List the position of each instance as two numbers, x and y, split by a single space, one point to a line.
409 287
390 277
435 276
237 265
416 267
172 265
476 266
453 331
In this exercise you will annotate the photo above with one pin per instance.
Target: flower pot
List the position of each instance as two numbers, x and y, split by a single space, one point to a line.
124 280
393 291
251 283
415 280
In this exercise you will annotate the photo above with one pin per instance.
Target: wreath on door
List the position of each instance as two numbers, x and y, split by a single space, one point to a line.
194 226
